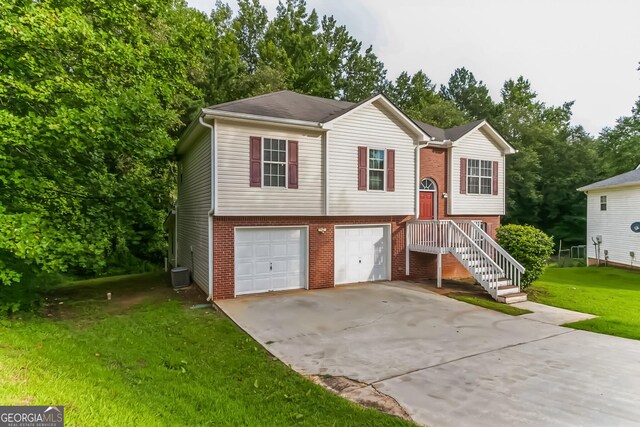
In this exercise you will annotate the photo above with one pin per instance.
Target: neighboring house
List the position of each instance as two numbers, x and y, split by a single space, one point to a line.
287 191
613 218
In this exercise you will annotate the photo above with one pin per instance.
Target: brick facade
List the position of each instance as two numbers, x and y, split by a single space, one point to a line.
433 164
321 247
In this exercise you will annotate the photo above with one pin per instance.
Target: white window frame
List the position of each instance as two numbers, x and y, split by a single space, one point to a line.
384 170
603 203
286 162
480 177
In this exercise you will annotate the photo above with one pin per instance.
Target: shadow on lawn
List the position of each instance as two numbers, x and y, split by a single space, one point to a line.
90 296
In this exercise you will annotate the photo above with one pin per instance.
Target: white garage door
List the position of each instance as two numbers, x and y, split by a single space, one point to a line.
361 253
270 259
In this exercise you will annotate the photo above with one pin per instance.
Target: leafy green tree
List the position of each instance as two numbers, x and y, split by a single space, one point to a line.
355 74
249 27
469 95
619 146
292 45
90 96
416 96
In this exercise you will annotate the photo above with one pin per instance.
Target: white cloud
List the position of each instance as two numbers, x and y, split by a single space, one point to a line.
586 51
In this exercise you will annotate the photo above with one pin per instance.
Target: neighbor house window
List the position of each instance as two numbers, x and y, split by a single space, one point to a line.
376 169
603 203
275 162
479 178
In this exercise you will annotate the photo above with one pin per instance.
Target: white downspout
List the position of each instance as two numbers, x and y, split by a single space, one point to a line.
175 238
326 173
416 207
417 185
213 201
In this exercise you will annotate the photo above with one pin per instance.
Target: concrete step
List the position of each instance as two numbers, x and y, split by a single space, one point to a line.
512 298
508 289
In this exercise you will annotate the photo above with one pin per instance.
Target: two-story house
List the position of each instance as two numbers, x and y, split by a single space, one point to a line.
288 191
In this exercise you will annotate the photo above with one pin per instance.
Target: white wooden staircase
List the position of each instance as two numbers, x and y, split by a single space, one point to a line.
492 267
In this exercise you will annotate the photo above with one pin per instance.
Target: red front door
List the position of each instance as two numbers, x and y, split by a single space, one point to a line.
426 205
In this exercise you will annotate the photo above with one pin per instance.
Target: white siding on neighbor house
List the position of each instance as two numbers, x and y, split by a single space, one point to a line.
614 224
194 203
372 127
237 198
475 145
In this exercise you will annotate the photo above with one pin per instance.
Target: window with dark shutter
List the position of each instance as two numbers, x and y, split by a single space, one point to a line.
494 177
362 168
293 164
463 176
391 170
255 161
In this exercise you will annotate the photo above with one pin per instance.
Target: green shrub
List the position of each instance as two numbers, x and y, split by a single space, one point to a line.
25 294
529 246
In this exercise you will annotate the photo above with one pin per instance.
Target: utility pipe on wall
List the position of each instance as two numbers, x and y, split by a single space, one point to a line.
213 203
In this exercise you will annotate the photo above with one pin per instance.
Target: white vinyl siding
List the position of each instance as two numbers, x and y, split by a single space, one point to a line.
478 146
370 127
237 198
614 224
194 203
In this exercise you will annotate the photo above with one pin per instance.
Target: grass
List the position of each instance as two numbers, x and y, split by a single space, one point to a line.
613 294
491 304
146 358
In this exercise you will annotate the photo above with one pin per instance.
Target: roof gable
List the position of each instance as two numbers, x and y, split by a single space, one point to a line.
622 180
458 133
380 101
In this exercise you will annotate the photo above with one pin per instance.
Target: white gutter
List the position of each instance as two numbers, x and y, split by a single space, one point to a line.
255 117
213 201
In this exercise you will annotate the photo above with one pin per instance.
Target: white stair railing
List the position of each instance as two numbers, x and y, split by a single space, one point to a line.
512 269
483 268
428 235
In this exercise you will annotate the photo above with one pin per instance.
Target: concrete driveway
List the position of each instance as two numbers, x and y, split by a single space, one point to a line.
446 362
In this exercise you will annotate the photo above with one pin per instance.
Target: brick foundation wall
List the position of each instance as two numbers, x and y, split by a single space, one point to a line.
594 262
321 246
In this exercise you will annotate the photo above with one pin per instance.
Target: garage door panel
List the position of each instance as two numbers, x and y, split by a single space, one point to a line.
361 253
270 259
244 269
279 250
244 251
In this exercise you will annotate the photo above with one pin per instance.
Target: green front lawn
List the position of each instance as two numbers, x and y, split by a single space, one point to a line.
611 293
146 358
487 302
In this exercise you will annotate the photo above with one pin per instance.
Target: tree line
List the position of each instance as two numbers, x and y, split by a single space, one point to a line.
95 93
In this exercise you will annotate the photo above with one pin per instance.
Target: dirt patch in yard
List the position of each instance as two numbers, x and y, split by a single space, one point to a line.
132 291
362 394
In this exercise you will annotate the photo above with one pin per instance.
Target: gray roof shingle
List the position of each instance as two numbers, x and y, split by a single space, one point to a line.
627 178
287 104
452 134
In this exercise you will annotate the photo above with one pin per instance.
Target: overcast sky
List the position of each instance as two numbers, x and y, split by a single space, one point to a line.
585 51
